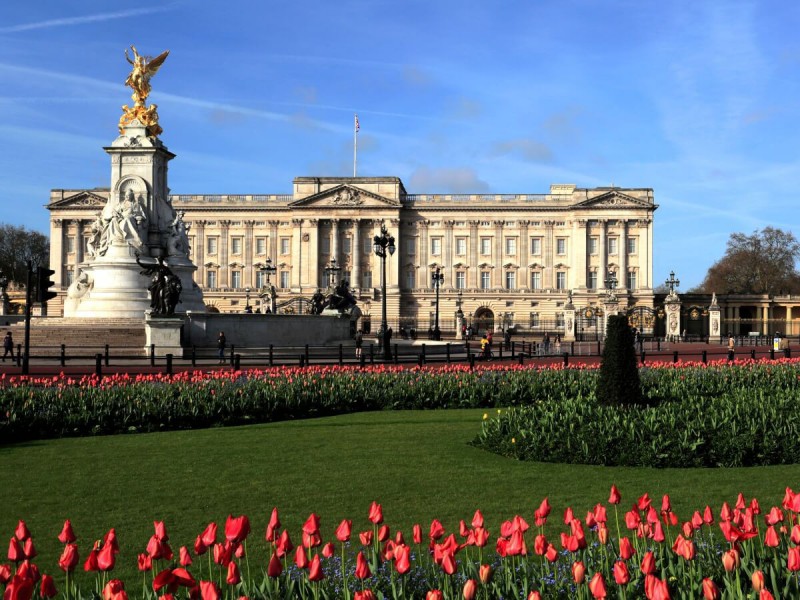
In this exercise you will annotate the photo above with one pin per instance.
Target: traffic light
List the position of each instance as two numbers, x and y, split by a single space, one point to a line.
43 293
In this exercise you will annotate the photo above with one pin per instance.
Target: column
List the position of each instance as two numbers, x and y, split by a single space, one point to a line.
578 262
199 252
335 241
548 250
297 253
423 248
57 258
646 245
789 324
392 279
474 280
602 243
224 266
497 278
78 245
312 231
273 245
524 276
449 275
356 275
248 280
623 254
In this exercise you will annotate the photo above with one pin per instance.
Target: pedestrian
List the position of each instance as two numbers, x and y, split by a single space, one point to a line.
558 344
359 342
546 343
731 347
8 346
507 339
469 332
486 348
221 343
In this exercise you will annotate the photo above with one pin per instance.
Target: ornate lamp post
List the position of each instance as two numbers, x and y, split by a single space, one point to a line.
380 245
459 315
247 299
436 280
332 271
3 295
269 269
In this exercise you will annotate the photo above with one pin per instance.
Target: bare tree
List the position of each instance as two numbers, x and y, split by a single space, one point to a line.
761 263
17 247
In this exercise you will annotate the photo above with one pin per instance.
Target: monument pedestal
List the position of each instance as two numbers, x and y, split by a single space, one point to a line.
164 333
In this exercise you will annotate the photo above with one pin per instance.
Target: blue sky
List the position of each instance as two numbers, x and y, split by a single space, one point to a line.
697 100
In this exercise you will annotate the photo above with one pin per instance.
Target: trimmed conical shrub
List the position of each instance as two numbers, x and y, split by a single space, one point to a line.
618 382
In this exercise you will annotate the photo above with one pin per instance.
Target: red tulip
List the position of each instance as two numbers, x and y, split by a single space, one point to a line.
710 590
69 558
209 535
597 586
328 550
315 570
284 544
578 572
402 563
437 530
621 575
375 513
67 536
449 564
362 568
366 538
551 554
793 560
470 589
614 497
757 580
19 588
416 534
15 553
237 528
5 574
106 558
185 559
91 561
209 591
365 595
145 562
113 589
273 526
765 594
300 558
234 577
164 579
535 596
344 530
161 531
48 587
434 595
602 533
199 547
648 566
275 568
655 588
771 538
21 532
477 519
398 538
625 548
383 533
730 560
485 574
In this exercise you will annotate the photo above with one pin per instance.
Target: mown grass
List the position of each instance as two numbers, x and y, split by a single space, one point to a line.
418 464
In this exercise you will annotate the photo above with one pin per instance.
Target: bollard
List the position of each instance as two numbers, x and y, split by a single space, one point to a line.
772 353
704 357
423 354
521 358
194 356
63 354
341 355
472 361
500 353
566 359
237 362
152 355
19 355
372 354
106 357
598 347
98 364
308 360
396 355
270 355
447 348
513 349
658 345
643 356
362 360
169 364
302 360
421 359
753 353
787 353
231 357
675 356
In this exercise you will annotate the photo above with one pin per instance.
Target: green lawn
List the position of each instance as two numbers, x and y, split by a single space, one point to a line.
418 464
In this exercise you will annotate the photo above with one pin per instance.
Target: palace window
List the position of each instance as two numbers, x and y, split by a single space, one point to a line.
236 279
536 246
592 245
561 245
561 280
511 280
411 246
236 245
631 245
411 279
284 246
284 279
211 246
631 280
591 280
261 245
486 246
70 276
325 244
366 247
486 280
461 246
347 244
211 279
461 280
436 246
533 321
261 279
536 280
612 245
366 279
511 246
559 320
70 244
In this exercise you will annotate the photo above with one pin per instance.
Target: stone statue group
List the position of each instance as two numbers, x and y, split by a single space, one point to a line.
340 299
165 287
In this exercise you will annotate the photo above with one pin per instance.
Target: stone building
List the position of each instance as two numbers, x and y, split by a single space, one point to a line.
507 259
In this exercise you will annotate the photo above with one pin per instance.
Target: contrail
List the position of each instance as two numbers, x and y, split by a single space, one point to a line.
85 19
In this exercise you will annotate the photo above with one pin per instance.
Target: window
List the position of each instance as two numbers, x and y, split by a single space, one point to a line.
347 244
591 280
592 247
236 279
411 246
366 279
70 276
536 280
533 322
367 246
560 320
261 279
511 246
211 279
461 280
612 245
85 244
631 245
211 247
486 281
631 280
561 280
285 246
70 244
511 280
236 245
561 245
461 246
261 245
486 246
411 279
536 246
436 246
325 244
284 279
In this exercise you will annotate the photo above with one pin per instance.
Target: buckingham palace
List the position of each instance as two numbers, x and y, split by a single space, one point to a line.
506 260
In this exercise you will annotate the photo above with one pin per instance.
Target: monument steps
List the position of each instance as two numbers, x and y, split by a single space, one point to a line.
84 337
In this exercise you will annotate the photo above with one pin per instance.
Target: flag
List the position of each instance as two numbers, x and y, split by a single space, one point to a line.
357 124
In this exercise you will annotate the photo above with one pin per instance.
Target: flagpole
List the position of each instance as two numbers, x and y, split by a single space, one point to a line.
355 143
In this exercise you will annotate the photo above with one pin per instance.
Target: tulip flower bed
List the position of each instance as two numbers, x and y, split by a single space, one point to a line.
647 551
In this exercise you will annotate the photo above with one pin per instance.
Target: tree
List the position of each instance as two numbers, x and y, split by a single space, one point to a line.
17 247
618 381
761 263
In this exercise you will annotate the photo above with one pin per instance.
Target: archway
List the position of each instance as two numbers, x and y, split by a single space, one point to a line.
483 320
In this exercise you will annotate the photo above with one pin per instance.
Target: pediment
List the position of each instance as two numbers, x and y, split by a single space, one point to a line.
84 199
614 199
345 196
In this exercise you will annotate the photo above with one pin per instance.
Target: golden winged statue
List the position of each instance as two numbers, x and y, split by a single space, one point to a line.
144 67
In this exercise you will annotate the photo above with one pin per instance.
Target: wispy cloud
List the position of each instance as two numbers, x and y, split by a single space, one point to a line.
82 20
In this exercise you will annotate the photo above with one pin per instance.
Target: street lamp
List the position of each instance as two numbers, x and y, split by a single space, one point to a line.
332 271
437 279
380 245
247 300
269 269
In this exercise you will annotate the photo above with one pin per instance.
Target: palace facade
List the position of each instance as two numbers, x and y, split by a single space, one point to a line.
507 259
